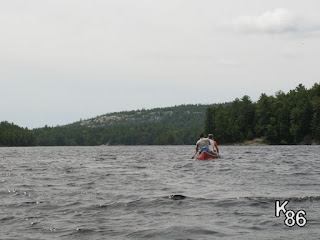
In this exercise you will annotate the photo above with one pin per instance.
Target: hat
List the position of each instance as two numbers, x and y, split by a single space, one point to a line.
210 136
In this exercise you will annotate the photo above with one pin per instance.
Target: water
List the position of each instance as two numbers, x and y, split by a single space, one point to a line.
123 192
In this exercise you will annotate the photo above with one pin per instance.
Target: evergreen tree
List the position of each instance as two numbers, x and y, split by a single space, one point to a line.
209 126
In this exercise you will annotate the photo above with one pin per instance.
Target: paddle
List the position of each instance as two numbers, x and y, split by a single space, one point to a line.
194 155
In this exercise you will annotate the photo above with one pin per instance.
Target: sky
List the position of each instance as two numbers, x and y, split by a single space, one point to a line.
66 60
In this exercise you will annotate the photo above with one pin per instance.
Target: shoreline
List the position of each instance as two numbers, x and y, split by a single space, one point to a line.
262 142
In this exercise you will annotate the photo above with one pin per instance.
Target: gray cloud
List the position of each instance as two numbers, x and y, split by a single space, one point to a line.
277 21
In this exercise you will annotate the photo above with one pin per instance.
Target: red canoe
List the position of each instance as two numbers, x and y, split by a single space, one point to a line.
206 155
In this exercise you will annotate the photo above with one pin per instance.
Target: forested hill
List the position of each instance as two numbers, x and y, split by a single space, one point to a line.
179 116
285 118
170 125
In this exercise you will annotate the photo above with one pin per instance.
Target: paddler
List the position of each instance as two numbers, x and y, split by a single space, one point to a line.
213 147
202 144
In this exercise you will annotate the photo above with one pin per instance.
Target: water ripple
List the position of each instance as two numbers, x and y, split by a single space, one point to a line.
156 192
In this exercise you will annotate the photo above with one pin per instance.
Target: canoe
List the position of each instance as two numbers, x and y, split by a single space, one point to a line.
206 155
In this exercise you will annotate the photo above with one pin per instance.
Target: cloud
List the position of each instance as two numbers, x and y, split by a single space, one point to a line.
277 21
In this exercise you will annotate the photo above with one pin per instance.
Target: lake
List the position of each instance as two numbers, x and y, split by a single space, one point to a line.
123 192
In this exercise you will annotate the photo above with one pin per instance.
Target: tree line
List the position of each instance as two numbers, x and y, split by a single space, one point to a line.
140 134
13 135
292 118
285 118
176 125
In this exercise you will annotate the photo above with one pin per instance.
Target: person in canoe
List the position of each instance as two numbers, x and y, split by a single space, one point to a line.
202 144
213 147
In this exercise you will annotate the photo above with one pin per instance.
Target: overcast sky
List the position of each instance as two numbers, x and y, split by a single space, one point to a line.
62 60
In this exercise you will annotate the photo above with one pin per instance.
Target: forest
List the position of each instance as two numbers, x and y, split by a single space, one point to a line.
161 126
292 118
13 135
285 118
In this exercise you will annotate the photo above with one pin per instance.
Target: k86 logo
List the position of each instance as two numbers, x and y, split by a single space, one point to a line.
291 217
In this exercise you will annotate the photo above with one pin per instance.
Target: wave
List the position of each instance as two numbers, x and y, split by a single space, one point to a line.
235 200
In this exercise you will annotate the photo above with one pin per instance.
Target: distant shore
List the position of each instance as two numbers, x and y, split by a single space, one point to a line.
254 142
263 142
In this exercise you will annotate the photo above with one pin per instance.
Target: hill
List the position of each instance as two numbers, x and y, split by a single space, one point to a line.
183 115
285 118
169 125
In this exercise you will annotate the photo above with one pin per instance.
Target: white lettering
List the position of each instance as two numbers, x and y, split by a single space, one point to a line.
281 208
301 221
